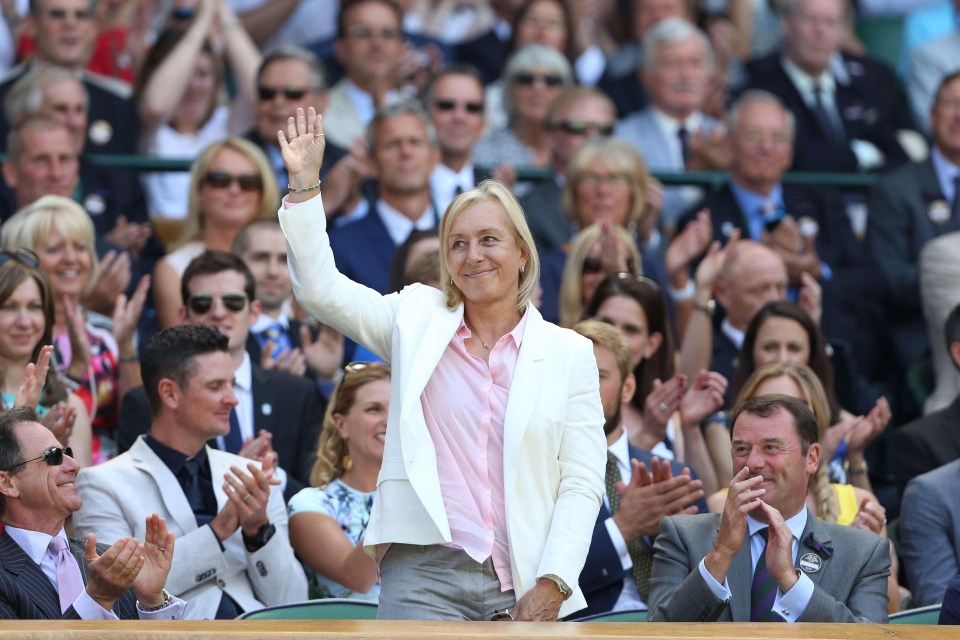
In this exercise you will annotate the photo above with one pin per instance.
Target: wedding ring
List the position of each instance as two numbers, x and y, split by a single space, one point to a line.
663 406
317 135
247 497
162 550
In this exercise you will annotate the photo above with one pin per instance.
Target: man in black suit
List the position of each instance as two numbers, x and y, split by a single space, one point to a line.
46 576
616 574
489 51
848 109
65 34
277 411
933 440
911 206
807 227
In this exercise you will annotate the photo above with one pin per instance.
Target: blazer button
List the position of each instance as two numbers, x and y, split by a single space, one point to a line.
221 583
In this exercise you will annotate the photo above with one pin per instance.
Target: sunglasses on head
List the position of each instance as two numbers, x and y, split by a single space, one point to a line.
290 93
474 108
52 456
23 256
644 280
581 128
221 180
232 300
528 79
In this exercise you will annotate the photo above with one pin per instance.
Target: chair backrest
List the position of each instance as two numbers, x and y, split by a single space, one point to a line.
616 616
324 609
929 614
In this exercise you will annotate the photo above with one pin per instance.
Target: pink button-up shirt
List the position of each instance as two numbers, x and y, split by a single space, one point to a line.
464 404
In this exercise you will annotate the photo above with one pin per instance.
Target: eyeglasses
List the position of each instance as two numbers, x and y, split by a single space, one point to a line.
267 94
232 300
52 456
63 14
581 128
24 256
247 181
474 108
366 33
528 79
592 179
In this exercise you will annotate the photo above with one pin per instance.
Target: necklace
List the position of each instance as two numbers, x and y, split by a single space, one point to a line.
476 335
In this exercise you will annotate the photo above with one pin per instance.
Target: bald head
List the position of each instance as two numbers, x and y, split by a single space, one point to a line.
755 276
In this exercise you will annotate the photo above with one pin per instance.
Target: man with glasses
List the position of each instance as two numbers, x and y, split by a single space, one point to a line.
65 34
370 46
454 98
44 575
278 413
233 551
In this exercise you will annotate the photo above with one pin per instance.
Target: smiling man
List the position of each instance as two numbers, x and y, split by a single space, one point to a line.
766 558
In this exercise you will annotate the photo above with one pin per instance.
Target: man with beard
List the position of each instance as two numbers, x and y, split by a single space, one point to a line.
616 574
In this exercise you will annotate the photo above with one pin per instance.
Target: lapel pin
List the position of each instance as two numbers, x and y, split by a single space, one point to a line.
810 563
938 211
266 408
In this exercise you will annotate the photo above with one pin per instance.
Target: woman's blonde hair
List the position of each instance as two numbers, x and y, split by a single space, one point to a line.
331 447
617 156
571 288
814 395
29 227
486 191
194 223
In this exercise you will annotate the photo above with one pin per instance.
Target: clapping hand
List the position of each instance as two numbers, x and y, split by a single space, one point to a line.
157 558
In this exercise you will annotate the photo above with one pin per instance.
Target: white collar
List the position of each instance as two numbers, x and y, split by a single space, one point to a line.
264 322
34 543
944 169
360 98
463 177
735 335
398 225
243 376
797 524
804 82
671 125
621 449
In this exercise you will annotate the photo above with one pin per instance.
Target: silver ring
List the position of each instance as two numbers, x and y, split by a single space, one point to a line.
317 135
247 497
162 550
663 406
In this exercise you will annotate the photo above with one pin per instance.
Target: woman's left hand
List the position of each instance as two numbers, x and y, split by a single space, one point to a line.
871 517
60 420
77 332
703 399
869 428
661 403
126 314
34 377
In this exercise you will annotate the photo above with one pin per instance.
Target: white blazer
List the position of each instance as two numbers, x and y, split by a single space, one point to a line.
119 494
554 447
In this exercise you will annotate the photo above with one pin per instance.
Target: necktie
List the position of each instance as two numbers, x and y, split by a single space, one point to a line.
276 335
69 578
684 136
763 590
822 115
640 553
955 205
233 441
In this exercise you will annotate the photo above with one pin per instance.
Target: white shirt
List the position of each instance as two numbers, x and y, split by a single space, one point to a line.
444 182
735 335
629 598
399 226
790 605
671 127
946 172
363 102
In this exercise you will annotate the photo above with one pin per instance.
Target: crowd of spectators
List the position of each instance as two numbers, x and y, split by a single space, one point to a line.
845 296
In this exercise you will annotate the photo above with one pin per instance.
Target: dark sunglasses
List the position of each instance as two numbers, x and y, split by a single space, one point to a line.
52 456
24 256
527 79
232 300
63 14
221 180
581 128
474 108
592 265
290 93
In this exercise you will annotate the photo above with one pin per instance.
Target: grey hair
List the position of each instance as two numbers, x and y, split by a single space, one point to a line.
26 94
400 107
758 96
318 79
527 57
669 31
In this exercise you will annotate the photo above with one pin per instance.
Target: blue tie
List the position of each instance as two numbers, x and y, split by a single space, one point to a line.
233 441
763 591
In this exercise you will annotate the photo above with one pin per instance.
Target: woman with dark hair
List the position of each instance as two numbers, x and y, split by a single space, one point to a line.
662 401
328 519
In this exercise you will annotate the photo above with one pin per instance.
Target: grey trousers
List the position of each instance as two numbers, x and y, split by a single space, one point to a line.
434 582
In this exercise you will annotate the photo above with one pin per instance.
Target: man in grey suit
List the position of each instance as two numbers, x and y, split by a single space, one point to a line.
721 567
46 576
233 548
673 134
930 533
909 207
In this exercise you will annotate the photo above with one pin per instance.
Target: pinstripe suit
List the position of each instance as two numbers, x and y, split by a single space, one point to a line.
27 594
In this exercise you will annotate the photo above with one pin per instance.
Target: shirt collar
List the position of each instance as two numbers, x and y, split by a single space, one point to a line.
621 449
516 334
804 81
797 524
264 322
173 459
462 177
735 335
359 97
243 376
399 226
34 543
671 125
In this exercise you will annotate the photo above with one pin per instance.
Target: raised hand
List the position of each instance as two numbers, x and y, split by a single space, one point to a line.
60 420
112 280
779 552
302 148
704 397
34 377
650 497
324 354
871 517
112 573
249 493
810 297
661 403
743 497
716 260
158 556
289 360
687 246
257 448
126 313
79 343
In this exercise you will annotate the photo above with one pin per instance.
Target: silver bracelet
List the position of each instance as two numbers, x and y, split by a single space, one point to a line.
305 189
166 603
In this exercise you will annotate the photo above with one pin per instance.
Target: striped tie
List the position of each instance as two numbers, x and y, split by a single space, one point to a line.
640 554
763 591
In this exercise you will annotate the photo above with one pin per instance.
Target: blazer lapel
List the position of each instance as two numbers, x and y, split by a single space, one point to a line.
440 329
524 391
33 580
740 579
821 535
173 497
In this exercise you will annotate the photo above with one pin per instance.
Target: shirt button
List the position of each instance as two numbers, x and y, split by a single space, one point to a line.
485 417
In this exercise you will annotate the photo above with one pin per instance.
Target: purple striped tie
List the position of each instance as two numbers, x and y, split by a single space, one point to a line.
763 591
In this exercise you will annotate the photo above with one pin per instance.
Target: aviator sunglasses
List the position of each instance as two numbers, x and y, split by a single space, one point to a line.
52 456
232 300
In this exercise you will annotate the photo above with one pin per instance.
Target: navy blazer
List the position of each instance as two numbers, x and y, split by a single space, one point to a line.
603 574
286 405
363 250
26 592
868 105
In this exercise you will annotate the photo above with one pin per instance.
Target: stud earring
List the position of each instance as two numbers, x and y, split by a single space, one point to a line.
521 268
